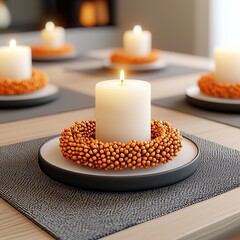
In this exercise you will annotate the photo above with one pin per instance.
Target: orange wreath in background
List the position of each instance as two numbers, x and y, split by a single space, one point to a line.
38 50
23 86
119 56
210 86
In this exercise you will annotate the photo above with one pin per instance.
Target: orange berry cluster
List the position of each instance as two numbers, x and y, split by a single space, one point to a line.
38 50
78 144
119 56
23 86
210 86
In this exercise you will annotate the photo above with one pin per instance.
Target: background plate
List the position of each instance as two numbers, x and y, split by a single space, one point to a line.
196 98
57 167
54 58
42 96
135 67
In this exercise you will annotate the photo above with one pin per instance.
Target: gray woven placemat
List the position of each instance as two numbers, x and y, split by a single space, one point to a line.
67 100
71 213
169 71
179 103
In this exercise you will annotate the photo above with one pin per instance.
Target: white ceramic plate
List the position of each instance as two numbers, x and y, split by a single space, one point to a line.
159 64
196 98
57 167
44 95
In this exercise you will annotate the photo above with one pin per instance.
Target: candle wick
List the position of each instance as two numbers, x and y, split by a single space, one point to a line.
121 77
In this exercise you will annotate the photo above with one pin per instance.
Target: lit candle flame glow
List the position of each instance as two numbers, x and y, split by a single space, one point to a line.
12 43
137 29
122 76
49 26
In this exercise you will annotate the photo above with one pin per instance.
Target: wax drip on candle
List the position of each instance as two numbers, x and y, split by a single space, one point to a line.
122 76
137 29
49 26
12 43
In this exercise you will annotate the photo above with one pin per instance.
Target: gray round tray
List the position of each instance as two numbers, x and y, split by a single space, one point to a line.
57 167
45 95
198 99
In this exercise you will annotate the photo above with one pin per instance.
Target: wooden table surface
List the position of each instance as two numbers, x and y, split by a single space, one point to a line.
199 221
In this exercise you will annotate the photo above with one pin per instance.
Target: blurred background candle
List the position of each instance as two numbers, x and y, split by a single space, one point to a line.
87 14
227 62
53 37
102 12
123 110
5 17
15 61
137 42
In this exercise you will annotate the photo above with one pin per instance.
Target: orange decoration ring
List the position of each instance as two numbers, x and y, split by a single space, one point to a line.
41 51
78 144
119 56
210 86
23 86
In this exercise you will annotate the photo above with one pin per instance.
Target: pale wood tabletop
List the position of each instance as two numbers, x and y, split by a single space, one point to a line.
199 221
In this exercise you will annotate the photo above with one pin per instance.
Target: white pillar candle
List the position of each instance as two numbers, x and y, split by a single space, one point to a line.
227 68
15 61
137 42
123 110
53 37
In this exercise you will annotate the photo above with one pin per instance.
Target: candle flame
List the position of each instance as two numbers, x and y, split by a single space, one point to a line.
12 43
122 76
137 29
49 26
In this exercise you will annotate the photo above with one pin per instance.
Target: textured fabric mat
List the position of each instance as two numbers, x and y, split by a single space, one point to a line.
67 100
169 71
179 103
71 213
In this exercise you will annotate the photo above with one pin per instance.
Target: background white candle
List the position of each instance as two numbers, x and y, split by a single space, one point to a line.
137 42
15 61
53 37
227 64
123 111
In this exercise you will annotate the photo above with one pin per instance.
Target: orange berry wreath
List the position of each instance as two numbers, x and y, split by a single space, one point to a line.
79 145
41 51
119 56
23 86
210 86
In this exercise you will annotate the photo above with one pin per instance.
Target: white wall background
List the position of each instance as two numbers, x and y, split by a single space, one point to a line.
25 11
171 22
201 27
224 23
188 26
